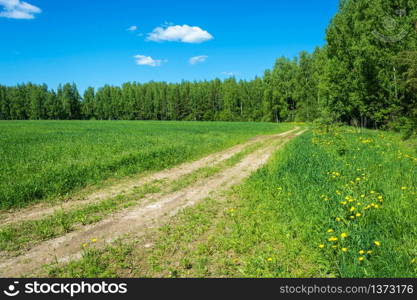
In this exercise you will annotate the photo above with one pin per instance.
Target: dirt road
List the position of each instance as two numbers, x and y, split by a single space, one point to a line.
148 214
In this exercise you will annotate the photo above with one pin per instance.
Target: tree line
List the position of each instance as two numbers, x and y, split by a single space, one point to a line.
365 74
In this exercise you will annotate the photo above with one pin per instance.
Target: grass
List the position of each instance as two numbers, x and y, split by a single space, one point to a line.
45 159
205 172
17 237
340 203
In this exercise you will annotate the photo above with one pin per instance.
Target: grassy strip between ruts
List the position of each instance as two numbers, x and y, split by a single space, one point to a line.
205 172
24 235
339 203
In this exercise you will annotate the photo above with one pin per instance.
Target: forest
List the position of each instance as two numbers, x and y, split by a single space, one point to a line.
365 75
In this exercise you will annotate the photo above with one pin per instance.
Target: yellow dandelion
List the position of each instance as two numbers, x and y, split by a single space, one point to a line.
372 192
321 246
344 235
377 243
361 252
369 252
330 230
332 239
352 208
361 258
358 214
269 259
344 249
94 240
338 219
85 245
362 196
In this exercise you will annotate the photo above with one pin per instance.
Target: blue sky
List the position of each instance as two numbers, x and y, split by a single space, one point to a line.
89 42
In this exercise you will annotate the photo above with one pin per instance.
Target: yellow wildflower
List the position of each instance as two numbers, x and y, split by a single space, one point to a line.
361 252
344 249
330 230
361 258
377 243
94 240
343 235
321 246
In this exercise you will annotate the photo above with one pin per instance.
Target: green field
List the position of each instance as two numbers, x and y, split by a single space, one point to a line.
45 159
332 204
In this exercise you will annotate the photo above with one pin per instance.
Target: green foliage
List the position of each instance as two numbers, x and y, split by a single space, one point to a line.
362 83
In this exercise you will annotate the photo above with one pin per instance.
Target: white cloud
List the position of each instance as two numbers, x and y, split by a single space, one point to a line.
132 28
177 33
143 60
16 9
197 59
